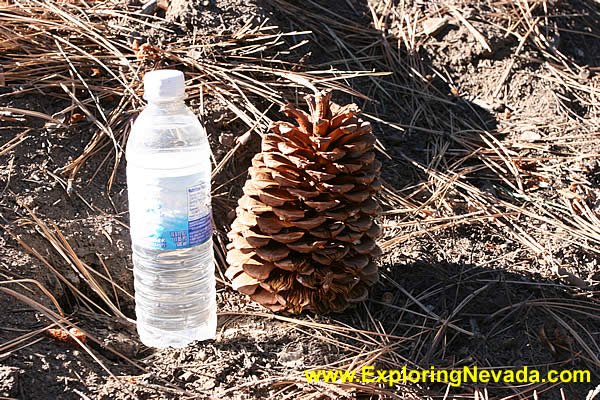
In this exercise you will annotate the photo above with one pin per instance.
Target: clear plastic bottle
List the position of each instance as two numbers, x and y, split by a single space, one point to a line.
168 179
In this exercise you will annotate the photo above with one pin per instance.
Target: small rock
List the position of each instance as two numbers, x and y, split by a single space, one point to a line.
431 26
72 277
149 8
226 139
9 381
209 384
292 359
187 377
584 73
388 297
498 106
230 333
530 136
121 343
249 362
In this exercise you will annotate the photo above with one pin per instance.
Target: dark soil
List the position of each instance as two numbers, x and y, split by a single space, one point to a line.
514 301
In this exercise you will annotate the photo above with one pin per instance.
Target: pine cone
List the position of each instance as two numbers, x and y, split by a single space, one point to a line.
304 234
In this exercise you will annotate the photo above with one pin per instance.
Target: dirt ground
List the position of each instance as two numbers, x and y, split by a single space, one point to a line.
488 133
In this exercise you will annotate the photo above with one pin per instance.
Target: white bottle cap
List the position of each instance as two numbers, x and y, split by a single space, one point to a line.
164 84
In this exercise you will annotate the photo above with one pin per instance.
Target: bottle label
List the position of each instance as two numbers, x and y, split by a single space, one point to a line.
199 216
183 221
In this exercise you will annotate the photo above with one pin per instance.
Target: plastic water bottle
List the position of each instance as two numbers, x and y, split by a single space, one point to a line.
168 178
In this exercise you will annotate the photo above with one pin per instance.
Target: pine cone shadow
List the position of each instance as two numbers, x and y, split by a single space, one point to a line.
481 314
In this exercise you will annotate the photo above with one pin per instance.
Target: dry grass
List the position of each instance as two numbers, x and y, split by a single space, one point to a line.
463 151
65 50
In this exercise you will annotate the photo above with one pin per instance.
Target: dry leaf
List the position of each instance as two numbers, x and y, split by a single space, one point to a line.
62 336
76 117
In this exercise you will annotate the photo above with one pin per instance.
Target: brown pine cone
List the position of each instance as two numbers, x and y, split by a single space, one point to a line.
304 236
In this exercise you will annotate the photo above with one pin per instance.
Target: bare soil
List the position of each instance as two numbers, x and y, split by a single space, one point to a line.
483 295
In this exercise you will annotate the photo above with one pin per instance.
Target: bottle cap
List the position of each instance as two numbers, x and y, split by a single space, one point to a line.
164 84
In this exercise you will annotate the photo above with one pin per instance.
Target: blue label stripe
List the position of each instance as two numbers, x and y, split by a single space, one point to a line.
200 230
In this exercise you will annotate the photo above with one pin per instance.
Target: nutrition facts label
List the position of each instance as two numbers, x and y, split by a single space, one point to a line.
199 216
170 215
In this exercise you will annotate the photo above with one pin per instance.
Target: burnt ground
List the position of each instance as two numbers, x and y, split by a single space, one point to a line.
487 262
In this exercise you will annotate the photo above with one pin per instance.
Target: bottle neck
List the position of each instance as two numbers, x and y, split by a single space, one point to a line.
166 103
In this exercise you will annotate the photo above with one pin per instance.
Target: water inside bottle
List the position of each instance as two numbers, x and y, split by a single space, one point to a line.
175 287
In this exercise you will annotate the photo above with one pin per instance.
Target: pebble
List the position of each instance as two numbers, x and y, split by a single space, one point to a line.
584 73
209 384
227 139
388 297
187 376
149 8
530 136
9 381
431 26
